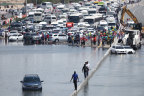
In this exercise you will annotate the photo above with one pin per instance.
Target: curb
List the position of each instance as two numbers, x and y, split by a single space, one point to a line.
84 82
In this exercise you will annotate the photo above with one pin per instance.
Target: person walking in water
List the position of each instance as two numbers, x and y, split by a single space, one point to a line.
85 69
75 79
88 65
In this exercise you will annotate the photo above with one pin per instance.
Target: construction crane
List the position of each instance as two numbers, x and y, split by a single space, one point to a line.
137 25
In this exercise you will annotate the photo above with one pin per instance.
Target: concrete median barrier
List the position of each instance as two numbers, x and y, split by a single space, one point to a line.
84 82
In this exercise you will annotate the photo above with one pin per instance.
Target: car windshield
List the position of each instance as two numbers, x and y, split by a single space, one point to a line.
34 34
55 32
13 32
31 79
127 47
111 24
119 47
14 35
100 28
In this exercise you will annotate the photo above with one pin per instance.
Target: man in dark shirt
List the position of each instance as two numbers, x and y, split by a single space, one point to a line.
75 79
85 69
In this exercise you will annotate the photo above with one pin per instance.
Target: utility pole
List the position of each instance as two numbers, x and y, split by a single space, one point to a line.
36 3
26 6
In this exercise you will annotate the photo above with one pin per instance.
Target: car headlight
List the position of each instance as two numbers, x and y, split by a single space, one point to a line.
39 86
24 86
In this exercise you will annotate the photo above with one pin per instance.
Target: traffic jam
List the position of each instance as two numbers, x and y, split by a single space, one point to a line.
94 22
74 23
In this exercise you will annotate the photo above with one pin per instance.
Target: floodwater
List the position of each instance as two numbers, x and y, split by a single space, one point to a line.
118 75
54 64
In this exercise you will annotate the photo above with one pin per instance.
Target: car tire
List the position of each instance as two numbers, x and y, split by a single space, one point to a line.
40 89
140 45
111 52
23 89
56 40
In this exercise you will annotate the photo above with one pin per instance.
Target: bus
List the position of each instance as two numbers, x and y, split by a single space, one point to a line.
50 18
77 17
47 5
92 20
111 22
38 17
92 11
84 12
38 10
31 15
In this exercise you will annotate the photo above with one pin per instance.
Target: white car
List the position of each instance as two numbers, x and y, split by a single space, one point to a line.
16 37
118 49
58 37
129 50
13 32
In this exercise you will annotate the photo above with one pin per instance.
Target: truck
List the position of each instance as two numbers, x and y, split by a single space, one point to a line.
132 38
136 25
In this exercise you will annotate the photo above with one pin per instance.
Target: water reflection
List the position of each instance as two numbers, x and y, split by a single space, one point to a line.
32 93
85 90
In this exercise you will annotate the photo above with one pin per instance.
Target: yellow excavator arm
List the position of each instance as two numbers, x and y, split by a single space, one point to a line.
125 10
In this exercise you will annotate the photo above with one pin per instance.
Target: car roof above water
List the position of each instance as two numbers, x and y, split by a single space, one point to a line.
31 75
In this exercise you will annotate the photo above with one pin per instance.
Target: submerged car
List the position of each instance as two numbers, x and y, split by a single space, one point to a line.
16 37
119 49
31 82
129 50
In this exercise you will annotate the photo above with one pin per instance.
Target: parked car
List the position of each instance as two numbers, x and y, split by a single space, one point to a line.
31 82
16 37
57 37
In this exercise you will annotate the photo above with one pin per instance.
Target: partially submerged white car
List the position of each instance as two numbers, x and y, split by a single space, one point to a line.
16 37
119 49
129 50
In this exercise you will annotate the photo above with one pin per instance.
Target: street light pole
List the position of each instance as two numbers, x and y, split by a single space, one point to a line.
26 6
36 3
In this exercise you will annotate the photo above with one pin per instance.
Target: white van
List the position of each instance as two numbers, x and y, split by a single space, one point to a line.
31 15
38 17
53 18
84 12
104 24
111 22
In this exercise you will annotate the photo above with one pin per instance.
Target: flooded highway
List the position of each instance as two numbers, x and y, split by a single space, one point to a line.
119 75
54 64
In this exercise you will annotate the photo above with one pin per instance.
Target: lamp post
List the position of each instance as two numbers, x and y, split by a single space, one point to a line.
36 3
26 6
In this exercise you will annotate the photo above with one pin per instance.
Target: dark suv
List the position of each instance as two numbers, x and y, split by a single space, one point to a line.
32 37
31 82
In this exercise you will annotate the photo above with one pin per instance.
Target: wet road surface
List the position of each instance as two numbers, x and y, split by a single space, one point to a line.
53 63
119 75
